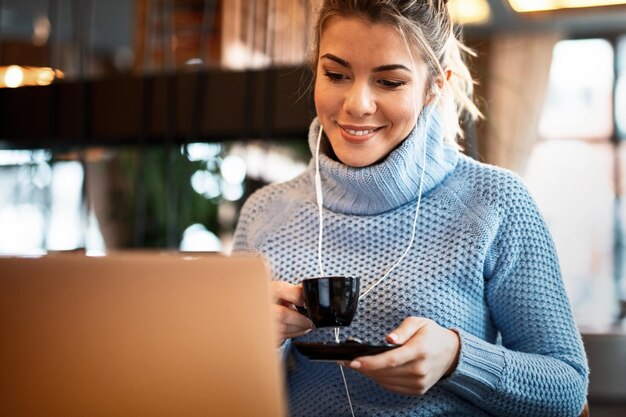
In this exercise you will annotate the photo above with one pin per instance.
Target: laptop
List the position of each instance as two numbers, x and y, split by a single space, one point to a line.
137 334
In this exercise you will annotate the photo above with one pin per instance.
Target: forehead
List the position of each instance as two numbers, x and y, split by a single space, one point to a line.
358 39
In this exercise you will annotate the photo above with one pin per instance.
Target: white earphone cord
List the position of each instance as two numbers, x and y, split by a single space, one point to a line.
320 206
320 202
417 210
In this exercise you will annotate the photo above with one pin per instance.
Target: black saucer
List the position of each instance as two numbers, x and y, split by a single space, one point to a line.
343 351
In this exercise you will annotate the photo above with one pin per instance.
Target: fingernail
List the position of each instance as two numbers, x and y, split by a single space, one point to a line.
308 331
393 337
355 364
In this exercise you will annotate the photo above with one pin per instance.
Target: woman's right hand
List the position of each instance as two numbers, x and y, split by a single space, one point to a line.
290 323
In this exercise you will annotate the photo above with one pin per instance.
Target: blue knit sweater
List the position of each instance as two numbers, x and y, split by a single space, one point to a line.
483 263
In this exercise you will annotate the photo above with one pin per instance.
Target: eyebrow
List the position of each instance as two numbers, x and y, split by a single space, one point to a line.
381 68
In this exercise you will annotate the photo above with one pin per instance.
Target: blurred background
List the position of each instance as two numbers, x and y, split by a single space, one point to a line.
147 123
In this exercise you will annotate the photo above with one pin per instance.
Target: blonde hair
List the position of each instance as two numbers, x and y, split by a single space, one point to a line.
427 26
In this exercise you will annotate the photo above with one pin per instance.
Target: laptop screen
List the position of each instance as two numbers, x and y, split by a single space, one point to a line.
137 334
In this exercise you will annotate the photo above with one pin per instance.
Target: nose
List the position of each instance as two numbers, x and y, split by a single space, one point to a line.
359 100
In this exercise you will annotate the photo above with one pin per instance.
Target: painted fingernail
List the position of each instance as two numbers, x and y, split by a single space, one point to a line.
355 364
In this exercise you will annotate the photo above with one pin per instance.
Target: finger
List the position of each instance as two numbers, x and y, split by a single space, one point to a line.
408 385
289 318
288 292
289 332
401 377
403 371
391 359
403 335
409 327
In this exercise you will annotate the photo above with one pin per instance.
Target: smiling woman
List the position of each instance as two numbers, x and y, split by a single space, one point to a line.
367 95
456 265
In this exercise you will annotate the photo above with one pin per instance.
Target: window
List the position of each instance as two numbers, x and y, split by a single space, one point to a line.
577 173
579 99
620 90
185 198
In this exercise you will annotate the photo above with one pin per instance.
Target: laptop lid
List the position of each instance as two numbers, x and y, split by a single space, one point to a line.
137 334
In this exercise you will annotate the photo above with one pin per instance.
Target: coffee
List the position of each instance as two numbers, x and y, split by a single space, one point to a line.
331 301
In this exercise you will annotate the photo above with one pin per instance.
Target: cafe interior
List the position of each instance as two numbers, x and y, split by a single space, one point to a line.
143 125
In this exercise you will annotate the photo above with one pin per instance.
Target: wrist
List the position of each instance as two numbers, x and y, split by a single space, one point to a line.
455 341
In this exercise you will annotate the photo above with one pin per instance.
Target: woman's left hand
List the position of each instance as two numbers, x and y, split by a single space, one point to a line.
428 353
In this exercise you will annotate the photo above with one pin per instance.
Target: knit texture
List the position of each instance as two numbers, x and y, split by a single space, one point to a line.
483 263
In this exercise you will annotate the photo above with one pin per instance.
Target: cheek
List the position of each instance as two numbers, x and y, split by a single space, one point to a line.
323 101
318 99
404 112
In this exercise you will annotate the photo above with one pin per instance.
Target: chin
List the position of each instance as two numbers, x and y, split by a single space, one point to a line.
350 160
356 156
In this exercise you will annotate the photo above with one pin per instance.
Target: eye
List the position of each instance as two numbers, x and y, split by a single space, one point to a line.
391 85
335 76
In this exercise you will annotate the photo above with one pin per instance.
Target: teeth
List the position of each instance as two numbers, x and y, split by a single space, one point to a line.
359 132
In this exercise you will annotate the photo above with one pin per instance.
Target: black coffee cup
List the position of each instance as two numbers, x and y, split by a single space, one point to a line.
330 301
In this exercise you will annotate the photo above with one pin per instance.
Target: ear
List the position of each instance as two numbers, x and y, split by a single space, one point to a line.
438 86
439 82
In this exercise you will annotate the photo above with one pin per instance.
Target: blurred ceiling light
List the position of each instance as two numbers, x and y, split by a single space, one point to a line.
239 56
524 6
194 61
14 76
469 12
41 31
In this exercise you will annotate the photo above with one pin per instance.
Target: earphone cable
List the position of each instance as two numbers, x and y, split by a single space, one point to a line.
320 202
413 233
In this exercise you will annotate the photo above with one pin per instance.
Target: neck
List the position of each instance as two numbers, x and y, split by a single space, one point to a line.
392 182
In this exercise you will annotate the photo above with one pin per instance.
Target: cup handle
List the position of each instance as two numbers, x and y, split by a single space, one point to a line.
302 310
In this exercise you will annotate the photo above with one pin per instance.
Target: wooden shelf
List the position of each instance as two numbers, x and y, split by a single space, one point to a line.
168 38
211 105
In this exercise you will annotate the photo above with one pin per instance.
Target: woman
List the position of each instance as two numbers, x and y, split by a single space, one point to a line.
455 261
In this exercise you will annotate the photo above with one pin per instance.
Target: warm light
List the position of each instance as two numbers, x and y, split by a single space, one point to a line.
16 76
45 76
13 76
469 12
524 6
41 30
238 55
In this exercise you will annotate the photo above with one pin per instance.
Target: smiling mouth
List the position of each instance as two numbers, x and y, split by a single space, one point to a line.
357 133
360 132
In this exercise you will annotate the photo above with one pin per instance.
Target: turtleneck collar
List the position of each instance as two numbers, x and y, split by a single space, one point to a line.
392 182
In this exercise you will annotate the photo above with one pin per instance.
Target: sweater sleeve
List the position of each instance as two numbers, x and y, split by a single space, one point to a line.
240 238
539 368
254 220
267 210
